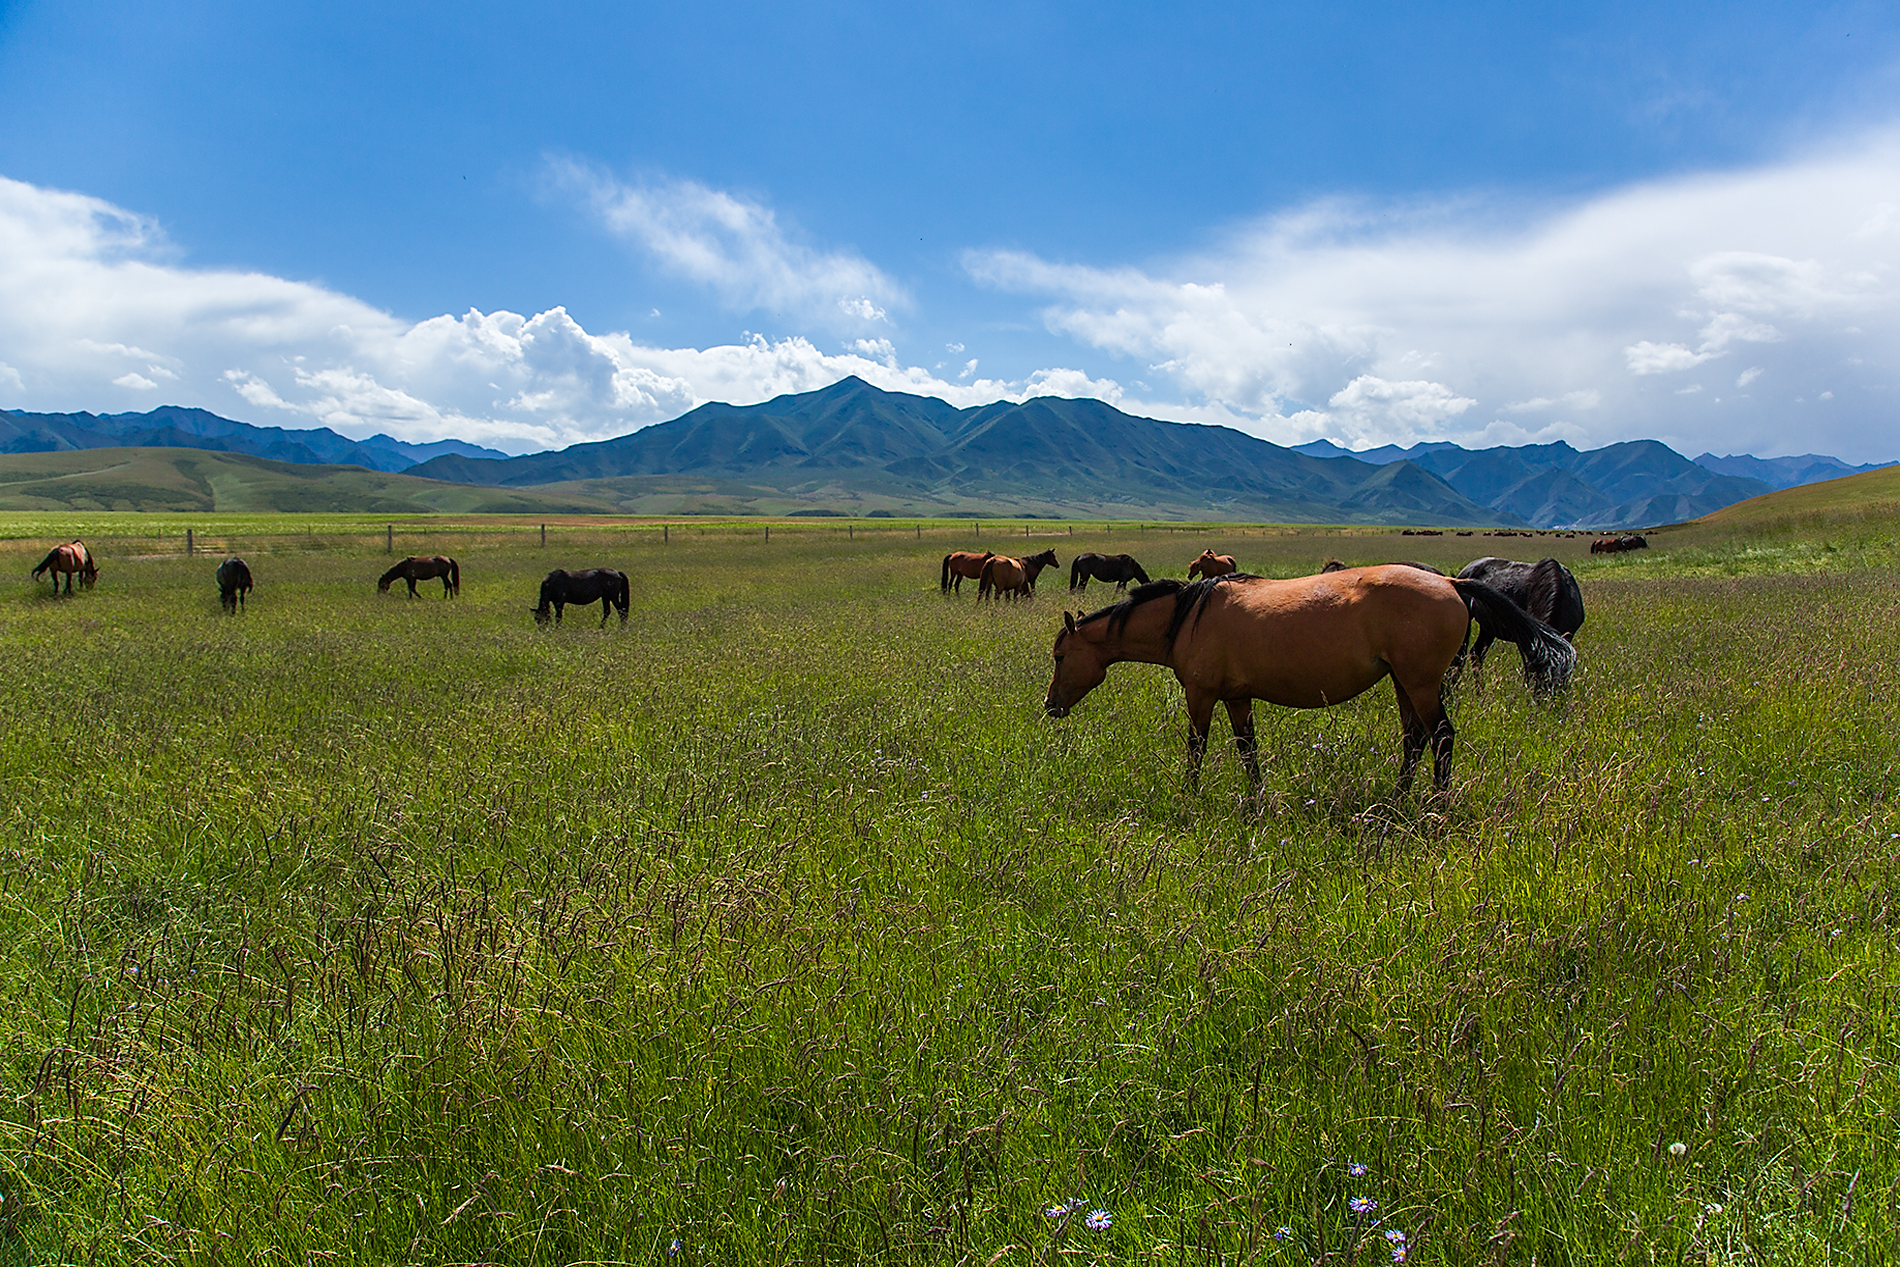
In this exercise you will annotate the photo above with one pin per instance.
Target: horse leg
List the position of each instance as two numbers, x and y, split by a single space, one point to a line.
1240 713
1414 733
1200 717
412 585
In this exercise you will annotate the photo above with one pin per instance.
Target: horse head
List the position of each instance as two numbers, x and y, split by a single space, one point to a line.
1080 667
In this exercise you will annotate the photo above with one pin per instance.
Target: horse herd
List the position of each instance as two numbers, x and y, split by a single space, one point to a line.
1231 638
559 590
1311 642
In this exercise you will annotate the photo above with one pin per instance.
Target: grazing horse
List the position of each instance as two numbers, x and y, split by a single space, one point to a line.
1546 589
1618 545
1016 577
1311 642
1119 568
424 568
234 582
74 560
1211 565
608 587
961 563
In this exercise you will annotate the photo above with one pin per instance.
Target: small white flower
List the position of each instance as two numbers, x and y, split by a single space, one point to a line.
1678 1148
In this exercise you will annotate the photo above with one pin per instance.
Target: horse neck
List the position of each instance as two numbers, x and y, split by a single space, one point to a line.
1142 639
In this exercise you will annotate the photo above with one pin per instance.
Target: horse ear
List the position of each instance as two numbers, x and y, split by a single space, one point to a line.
1068 622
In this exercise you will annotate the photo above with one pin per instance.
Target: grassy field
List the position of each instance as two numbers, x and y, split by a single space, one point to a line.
780 927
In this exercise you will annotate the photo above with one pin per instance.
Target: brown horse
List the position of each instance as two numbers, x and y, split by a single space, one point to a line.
1210 565
424 568
961 563
1015 577
74 560
1311 642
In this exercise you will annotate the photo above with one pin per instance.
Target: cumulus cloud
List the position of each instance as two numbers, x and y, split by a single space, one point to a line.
735 247
1571 310
95 311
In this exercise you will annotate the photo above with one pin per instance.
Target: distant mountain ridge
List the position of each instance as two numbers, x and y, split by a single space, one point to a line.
180 427
851 442
1633 484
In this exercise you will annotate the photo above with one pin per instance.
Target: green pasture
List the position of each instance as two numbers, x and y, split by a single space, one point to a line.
780 927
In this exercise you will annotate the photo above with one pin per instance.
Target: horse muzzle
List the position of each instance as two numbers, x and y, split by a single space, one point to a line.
1055 708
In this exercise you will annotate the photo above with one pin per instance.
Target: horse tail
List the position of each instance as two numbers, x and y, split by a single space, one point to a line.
1075 572
626 594
455 578
1548 659
945 584
986 580
52 557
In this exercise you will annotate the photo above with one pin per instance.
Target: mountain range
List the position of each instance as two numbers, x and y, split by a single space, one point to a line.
178 427
852 448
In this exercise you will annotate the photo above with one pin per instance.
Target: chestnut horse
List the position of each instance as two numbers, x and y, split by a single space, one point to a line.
1311 642
424 568
961 563
1015 577
234 582
1211 565
74 560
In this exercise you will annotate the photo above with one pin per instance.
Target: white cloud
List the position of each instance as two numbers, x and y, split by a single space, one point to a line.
1663 358
1748 376
86 287
735 247
1549 306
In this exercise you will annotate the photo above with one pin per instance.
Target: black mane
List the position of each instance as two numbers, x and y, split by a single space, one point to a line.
1189 597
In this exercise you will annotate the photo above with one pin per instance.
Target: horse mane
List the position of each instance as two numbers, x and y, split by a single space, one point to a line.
1189 597
1543 589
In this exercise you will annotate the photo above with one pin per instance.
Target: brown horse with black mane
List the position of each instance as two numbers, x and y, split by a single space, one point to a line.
1311 642
74 560
1211 565
419 567
1015 577
961 563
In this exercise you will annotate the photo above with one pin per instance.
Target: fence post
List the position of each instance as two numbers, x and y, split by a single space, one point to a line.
389 539
768 532
544 536
850 532
187 543
920 532
664 539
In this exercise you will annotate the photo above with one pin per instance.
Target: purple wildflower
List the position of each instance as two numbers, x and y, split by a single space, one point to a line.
1098 1220
1362 1205
1356 1169
1395 1236
672 1251
1282 1232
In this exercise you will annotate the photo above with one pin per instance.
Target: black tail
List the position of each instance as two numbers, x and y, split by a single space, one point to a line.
626 596
46 562
1548 659
945 585
455 578
1075 572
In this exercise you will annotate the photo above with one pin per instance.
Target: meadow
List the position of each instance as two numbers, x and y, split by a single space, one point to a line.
781 927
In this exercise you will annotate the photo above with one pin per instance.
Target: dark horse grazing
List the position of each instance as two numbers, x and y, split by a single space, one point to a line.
961 563
234 582
1311 642
1618 545
74 560
603 585
1015 577
424 568
1545 589
1210 565
1118 568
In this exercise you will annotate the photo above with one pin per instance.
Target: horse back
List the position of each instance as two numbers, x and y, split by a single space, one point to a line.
1315 641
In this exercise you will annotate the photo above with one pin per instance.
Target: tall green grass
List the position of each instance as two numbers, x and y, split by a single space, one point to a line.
782 926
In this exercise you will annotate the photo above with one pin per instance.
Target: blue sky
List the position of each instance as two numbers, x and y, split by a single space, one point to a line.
1378 223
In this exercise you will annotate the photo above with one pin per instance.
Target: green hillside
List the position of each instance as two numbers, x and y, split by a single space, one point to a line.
1869 493
198 480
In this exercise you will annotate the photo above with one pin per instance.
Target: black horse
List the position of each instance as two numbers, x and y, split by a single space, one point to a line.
1545 589
603 585
234 582
1117 568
